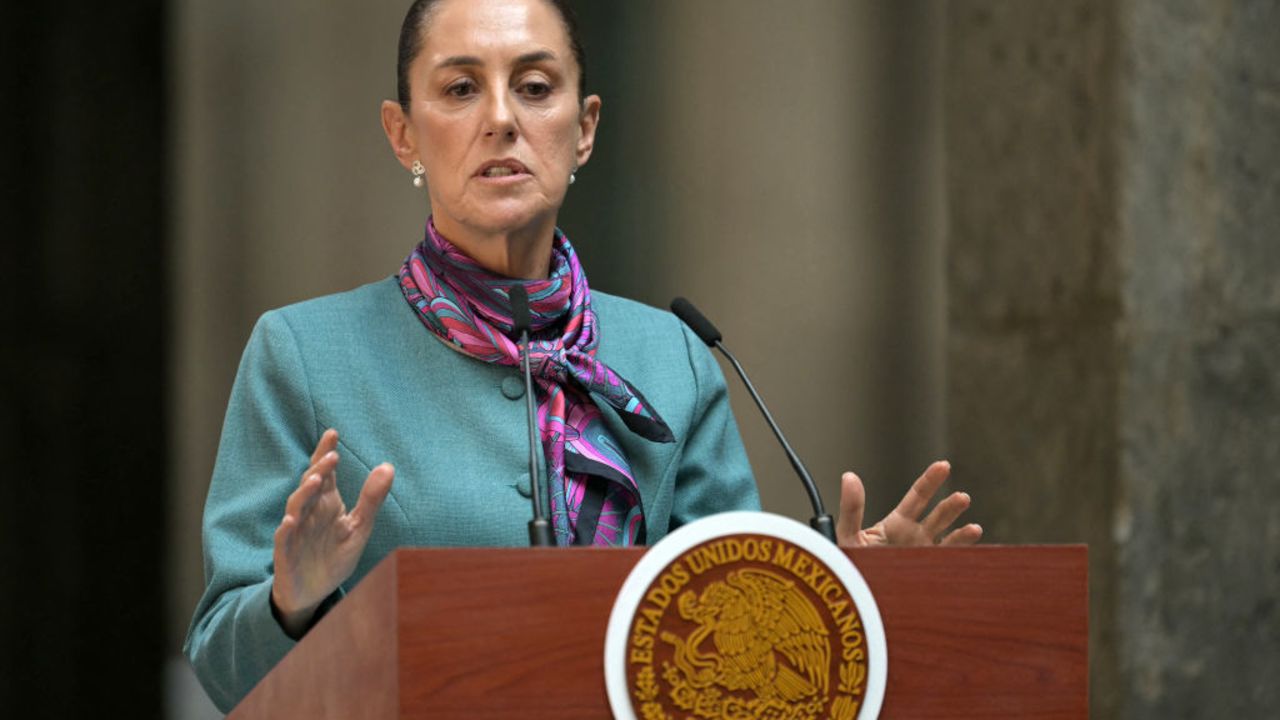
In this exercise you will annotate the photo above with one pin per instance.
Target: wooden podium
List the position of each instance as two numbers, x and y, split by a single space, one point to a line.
976 632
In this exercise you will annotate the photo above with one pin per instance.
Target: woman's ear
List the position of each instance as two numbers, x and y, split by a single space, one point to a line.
399 133
588 120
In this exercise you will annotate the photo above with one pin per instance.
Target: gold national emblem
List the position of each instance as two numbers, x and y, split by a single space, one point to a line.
746 627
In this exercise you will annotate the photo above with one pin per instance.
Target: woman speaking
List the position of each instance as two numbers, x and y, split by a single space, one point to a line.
421 375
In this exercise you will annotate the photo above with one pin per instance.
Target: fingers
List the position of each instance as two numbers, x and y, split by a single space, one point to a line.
375 490
853 502
302 498
326 467
945 513
328 443
967 535
903 526
923 490
318 480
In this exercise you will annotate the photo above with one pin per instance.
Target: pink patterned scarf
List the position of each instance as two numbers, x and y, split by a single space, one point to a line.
594 498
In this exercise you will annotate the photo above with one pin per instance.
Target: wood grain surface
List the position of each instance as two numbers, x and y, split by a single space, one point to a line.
979 632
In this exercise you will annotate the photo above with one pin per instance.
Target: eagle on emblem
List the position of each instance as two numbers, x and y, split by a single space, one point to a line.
768 638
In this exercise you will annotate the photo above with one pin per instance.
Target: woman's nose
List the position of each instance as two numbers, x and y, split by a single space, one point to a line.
499 118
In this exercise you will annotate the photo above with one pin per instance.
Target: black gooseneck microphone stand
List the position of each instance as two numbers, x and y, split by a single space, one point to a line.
702 327
539 528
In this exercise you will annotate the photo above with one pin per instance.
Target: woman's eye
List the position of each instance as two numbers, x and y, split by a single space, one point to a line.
461 89
537 89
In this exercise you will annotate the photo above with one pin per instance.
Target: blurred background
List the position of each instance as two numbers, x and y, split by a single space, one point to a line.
1039 238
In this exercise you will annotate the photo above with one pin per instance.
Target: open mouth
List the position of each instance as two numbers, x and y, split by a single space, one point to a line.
502 169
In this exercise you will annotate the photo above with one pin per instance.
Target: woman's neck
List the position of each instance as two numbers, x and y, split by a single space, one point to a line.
521 253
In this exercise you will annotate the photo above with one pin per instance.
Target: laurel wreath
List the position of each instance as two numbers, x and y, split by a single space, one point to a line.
711 703
646 692
853 675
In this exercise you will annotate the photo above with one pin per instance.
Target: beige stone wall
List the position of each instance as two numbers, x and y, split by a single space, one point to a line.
802 211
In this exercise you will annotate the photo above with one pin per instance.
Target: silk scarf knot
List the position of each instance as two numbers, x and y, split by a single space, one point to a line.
594 496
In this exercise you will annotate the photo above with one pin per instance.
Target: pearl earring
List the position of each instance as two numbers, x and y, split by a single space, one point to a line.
573 178
419 174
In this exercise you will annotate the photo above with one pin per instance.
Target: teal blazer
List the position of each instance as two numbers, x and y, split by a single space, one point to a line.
456 431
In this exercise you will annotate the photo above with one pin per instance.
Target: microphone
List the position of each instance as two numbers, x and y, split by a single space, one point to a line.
708 333
539 527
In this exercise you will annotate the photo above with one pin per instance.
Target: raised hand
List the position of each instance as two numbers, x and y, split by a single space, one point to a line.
318 543
903 526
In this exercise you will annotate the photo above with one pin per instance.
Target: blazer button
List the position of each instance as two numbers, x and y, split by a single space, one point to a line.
523 486
513 387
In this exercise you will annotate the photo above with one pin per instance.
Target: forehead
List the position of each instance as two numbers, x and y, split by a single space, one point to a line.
474 27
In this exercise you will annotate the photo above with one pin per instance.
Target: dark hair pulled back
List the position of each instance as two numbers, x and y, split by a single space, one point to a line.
419 15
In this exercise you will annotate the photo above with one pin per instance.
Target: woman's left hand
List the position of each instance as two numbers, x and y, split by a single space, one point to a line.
903 526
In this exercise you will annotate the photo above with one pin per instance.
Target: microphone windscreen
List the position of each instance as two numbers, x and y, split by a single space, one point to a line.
520 320
696 321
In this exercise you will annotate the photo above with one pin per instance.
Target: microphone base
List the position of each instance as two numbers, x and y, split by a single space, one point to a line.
540 534
825 526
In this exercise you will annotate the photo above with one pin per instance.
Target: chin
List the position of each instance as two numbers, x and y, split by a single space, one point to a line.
509 217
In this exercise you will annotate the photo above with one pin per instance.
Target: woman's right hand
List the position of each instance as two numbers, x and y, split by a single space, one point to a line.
318 542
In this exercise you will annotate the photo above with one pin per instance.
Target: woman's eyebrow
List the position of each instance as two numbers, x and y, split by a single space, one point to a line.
525 59
535 57
457 60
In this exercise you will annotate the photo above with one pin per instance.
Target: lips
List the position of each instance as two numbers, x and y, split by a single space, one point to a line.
502 168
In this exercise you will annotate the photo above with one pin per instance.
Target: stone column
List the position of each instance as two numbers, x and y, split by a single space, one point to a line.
1114 314
1198 524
